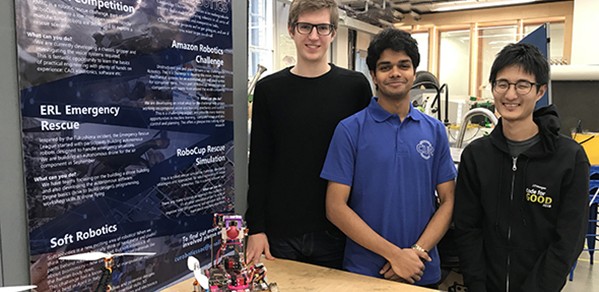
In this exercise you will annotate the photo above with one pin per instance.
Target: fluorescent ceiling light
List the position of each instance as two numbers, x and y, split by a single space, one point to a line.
463 5
500 42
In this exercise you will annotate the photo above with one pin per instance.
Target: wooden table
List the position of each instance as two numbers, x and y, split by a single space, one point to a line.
293 276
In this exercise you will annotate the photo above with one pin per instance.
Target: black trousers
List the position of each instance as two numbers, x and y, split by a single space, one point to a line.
323 248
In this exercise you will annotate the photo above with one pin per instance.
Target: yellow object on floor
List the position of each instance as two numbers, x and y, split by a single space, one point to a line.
590 143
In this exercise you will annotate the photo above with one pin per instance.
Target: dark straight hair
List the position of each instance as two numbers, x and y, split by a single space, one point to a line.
527 56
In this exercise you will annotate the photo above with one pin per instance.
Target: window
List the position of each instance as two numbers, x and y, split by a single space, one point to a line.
491 41
454 66
260 35
422 39
556 43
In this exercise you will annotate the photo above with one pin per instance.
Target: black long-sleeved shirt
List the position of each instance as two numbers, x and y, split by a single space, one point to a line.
293 120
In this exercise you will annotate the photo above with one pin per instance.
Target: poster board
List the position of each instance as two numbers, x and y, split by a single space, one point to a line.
540 38
127 131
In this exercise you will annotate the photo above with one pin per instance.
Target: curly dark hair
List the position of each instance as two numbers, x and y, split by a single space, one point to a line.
395 39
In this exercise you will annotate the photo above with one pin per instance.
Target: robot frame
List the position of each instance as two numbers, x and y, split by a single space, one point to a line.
229 272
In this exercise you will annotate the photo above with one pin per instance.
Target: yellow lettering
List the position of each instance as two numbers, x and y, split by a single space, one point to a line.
533 198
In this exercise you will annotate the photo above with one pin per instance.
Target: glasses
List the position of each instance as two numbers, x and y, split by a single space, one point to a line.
322 29
523 87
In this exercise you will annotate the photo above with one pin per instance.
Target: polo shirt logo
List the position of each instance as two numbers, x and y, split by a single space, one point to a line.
425 148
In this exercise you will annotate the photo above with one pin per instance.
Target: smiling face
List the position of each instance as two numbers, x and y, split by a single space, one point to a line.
394 75
513 106
312 47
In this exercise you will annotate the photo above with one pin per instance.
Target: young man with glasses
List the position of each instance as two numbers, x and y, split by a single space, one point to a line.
295 112
384 165
521 205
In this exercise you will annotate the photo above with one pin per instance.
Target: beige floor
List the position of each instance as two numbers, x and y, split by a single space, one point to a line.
586 276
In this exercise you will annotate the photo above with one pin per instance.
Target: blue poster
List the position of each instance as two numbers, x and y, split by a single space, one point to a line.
127 129
540 38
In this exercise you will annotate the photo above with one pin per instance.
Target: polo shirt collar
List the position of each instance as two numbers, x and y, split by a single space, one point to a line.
380 114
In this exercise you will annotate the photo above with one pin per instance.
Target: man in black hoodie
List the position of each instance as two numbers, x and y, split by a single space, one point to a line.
521 204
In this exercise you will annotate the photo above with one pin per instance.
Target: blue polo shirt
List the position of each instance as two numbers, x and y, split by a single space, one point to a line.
393 169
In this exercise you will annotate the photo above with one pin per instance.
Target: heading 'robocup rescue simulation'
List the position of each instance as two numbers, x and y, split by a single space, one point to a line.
199 150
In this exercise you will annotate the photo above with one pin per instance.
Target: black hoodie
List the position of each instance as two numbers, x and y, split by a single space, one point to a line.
521 221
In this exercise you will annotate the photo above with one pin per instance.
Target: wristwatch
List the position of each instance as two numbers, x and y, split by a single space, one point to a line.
419 248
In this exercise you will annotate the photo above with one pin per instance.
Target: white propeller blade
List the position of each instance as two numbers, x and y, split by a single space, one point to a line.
194 265
88 256
96 255
202 279
138 254
17 288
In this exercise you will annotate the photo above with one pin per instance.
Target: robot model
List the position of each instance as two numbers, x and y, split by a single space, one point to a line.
229 271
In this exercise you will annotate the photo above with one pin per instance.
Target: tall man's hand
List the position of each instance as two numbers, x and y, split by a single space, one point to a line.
257 245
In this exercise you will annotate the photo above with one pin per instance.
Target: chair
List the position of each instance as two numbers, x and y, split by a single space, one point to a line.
591 235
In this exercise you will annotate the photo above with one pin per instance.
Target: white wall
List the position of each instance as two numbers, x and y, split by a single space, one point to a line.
240 112
14 256
584 40
363 40
340 47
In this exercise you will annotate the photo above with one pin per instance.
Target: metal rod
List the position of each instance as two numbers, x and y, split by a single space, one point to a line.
479 111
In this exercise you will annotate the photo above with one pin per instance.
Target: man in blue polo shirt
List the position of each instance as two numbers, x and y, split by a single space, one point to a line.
384 165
